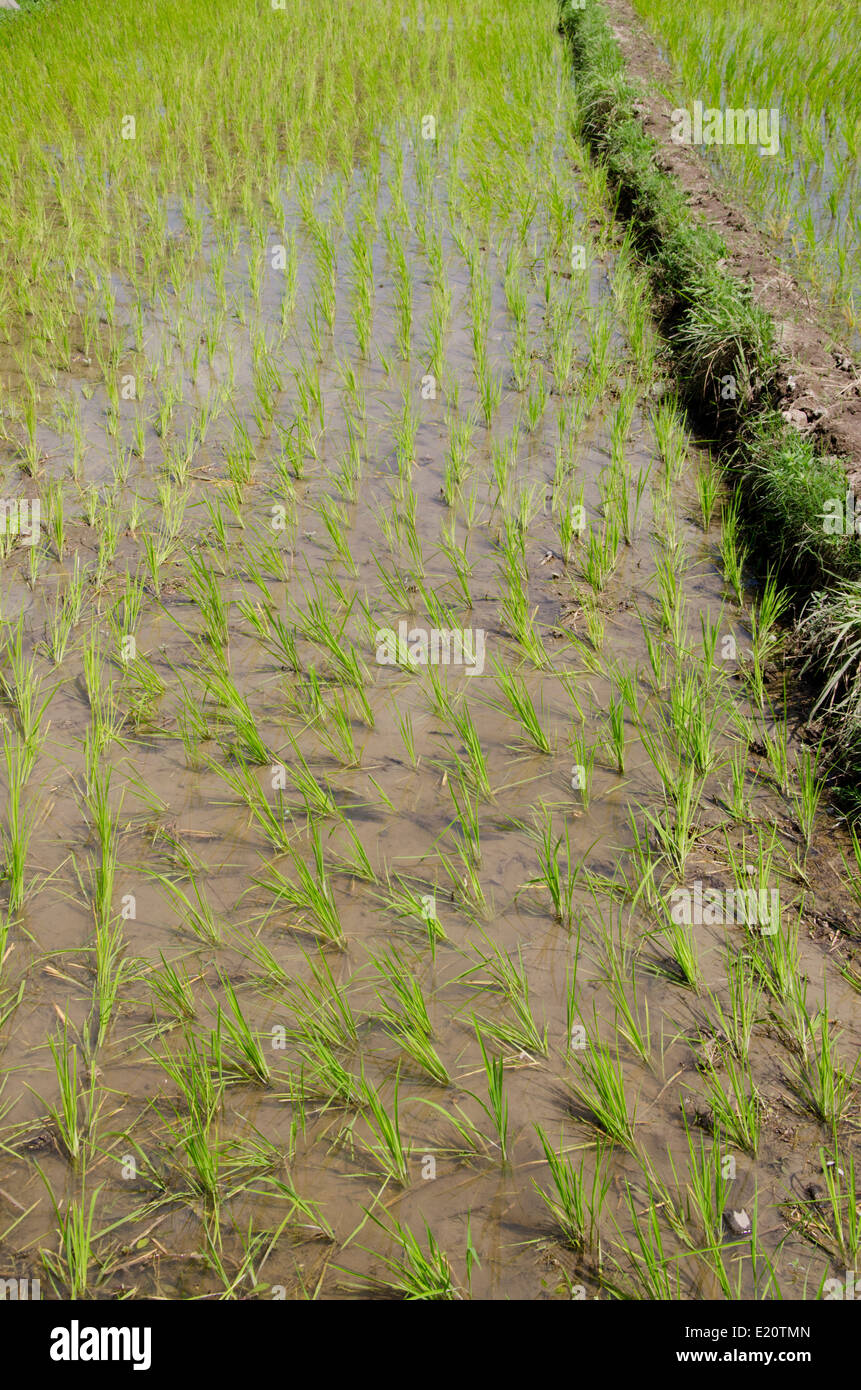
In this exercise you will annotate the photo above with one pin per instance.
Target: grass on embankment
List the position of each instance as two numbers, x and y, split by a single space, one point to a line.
726 359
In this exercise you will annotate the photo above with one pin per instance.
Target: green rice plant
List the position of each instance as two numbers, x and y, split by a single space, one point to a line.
615 737
324 1075
570 519
559 875
692 715
657 653
764 618
599 1086
735 1103
708 482
575 1209
321 1005
408 1023
736 799
408 905
655 1272
235 709
23 687
73 1115
821 1082
674 824
708 1186
246 1059
600 554
476 773
775 742
620 975
107 718
489 391
744 1010
521 1032
172 989
335 732
69 1268
407 733
679 938
811 788
66 615
669 569
732 552
456 556
466 818
242 781
203 590
775 957
387 1145
17 833
113 969
496 1106
415 1274
584 754
519 619
310 893
467 889
834 1223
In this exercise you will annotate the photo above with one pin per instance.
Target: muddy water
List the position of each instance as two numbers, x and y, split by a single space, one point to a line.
153 1234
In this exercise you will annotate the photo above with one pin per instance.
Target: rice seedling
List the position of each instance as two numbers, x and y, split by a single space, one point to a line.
560 871
599 1085
73 1116
834 1222
584 755
735 1103
69 1267
519 1032
620 975
708 490
242 781
496 1105
654 1271
822 1083
615 738
744 1010
575 1209
386 1146
311 893
18 830
600 554
246 1057
416 1274
674 823
408 905
677 935
517 702
408 1024
732 552
811 788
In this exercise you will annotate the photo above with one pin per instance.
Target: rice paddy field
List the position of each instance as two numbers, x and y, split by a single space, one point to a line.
805 64
417 878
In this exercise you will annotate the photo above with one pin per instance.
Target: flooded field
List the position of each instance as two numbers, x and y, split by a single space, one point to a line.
416 881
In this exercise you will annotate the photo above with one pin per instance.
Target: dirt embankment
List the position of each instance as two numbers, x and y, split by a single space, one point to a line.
821 383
